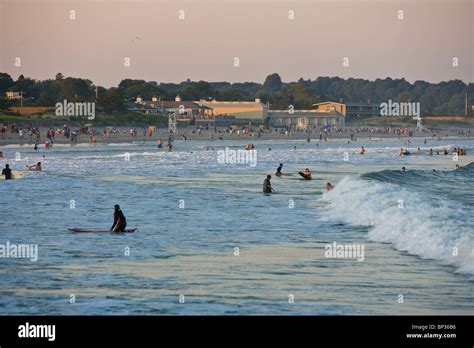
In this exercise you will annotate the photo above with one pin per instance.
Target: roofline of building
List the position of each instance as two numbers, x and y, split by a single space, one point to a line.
328 102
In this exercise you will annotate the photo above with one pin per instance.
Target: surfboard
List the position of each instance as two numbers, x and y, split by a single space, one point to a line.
80 230
15 175
302 174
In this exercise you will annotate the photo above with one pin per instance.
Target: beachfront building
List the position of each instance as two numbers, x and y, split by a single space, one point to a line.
361 110
242 110
324 114
183 109
330 106
349 109
13 95
305 119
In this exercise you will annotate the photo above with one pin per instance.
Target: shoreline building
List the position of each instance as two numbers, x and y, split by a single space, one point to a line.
13 95
242 110
330 107
224 113
361 110
325 114
350 110
183 109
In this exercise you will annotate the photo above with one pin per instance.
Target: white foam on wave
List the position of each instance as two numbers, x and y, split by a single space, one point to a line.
427 227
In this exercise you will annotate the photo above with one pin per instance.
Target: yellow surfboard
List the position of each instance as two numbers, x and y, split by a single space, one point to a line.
15 175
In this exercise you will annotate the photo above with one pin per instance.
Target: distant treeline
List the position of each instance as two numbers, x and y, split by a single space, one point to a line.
444 98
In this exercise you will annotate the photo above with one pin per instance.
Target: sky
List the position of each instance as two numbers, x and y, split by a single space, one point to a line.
237 40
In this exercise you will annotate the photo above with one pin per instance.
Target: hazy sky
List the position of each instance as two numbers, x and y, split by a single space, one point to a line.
202 46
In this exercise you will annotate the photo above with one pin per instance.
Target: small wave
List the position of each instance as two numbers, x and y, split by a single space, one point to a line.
411 221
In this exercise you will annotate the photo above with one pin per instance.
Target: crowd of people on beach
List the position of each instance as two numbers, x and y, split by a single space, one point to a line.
324 133
34 137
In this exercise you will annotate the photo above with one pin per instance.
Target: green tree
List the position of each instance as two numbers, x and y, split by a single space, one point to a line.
273 83
112 100
5 104
6 82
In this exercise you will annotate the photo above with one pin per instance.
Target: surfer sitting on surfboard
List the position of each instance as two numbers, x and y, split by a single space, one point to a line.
120 223
35 167
7 172
306 174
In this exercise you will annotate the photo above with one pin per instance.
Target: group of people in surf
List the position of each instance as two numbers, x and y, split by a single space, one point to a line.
249 147
457 151
306 174
159 144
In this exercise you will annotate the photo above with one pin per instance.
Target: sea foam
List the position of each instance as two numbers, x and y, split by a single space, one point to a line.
413 222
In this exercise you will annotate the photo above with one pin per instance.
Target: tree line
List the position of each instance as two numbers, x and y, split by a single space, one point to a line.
444 98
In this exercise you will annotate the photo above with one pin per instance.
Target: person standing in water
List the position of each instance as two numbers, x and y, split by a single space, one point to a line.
120 222
7 172
278 172
267 185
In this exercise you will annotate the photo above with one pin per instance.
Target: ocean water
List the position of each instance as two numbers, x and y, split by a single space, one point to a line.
192 213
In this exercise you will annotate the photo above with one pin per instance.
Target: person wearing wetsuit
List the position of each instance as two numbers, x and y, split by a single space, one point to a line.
120 223
306 174
267 186
279 173
7 172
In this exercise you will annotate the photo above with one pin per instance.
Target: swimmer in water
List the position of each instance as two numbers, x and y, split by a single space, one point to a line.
403 169
362 150
306 174
278 172
329 187
35 167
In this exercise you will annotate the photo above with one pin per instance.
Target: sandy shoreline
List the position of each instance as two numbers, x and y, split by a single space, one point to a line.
14 139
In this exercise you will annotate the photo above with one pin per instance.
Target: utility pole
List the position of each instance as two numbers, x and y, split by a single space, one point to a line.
465 105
